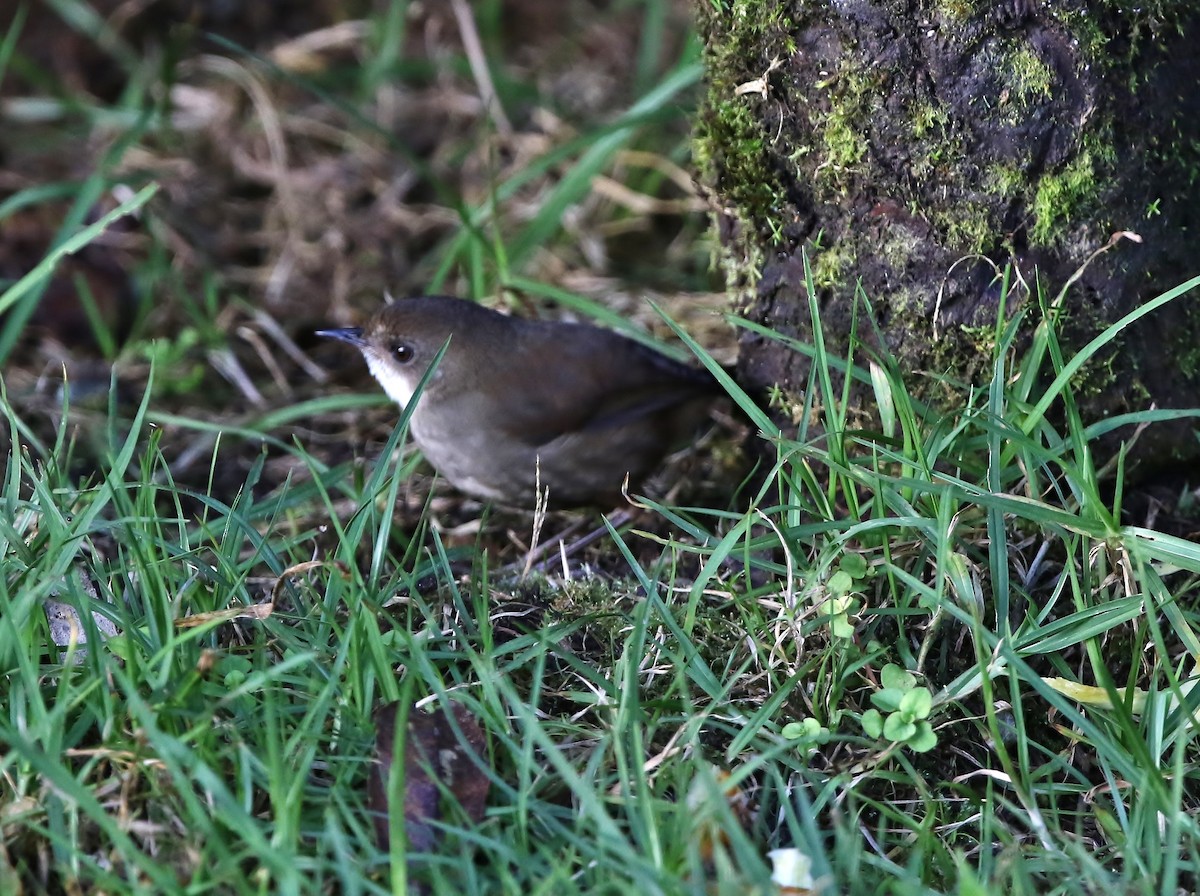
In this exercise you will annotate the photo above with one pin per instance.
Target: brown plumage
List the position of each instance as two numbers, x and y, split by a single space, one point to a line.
514 402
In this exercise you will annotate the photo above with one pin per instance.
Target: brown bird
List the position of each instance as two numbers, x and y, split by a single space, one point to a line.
514 403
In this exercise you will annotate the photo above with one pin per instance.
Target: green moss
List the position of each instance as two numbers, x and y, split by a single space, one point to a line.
955 10
1005 179
959 354
1096 379
1184 351
1093 26
731 152
968 227
840 133
978 192
844 146
735 136
1060 195
1028 77
978 341
937 152
600 614
1187 359
830 266
929 119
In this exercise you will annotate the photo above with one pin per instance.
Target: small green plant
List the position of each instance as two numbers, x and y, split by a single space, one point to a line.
179 356
907 707
808 733
842 602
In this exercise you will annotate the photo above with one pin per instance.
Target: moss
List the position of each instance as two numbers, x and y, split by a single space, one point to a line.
1187 359
1113 368
731 156
733 145
602 613
897 246
996 160
1028 77
959 355
1093 25
955 10
830 266
935 148
1100 375
1060 196
955 354
1184 351
729 136
844 145
1005 179
929 119
840 131
730 147
1094 42
968 228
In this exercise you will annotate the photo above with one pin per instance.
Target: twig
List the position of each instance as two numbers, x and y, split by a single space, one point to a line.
479 70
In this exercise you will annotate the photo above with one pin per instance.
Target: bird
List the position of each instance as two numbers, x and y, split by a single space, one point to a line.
529 412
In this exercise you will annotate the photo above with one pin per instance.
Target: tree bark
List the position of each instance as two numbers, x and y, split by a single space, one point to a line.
917 147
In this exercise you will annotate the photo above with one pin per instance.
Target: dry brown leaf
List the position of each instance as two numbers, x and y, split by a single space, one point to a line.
706 816
442 752
253 611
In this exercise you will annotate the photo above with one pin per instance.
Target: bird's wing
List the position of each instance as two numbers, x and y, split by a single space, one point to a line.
567 395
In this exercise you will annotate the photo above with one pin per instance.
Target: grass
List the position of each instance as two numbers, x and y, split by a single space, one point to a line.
658 727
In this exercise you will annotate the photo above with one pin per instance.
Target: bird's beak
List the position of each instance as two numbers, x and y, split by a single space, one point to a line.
353 335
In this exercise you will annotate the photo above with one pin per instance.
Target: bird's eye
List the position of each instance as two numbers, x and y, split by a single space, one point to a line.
403 352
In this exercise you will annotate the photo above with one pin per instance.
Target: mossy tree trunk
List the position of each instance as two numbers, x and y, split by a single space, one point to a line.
920 146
